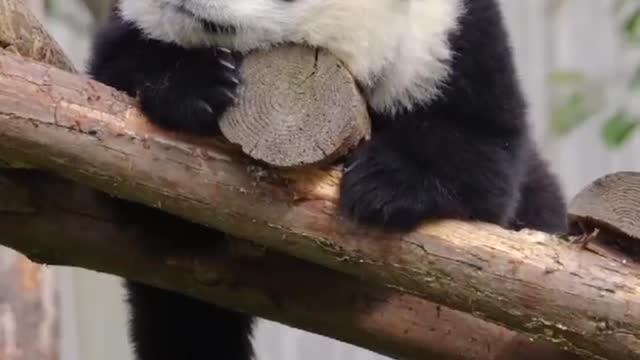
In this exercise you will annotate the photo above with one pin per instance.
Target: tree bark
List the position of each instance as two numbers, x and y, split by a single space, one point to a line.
29 327
248 278
21 33
530 282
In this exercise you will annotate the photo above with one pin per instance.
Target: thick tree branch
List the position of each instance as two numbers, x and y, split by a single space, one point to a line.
248 278
527 281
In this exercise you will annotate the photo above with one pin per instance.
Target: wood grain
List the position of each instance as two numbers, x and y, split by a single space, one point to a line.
611 202
299 107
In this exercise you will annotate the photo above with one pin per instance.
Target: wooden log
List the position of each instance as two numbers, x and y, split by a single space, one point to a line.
248 279
528 281
22 33
300 107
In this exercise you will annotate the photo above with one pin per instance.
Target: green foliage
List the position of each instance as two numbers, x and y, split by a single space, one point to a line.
618 129
575 99
578 97
631 27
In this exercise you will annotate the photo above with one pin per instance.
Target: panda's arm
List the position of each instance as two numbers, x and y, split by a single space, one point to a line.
434 164
179 89
461 155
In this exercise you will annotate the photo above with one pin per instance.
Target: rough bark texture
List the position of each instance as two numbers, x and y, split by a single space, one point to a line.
248 278
28 300
21 33
528 281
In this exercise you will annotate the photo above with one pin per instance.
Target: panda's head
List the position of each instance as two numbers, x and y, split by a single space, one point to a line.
399 46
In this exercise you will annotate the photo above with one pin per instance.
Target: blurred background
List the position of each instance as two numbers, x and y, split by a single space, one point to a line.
579 61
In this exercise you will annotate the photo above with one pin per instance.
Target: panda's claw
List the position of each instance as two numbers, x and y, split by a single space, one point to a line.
381 190
191 97
230 95
227 64
234 79
204 105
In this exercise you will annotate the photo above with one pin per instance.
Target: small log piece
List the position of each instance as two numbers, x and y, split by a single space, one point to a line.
300 106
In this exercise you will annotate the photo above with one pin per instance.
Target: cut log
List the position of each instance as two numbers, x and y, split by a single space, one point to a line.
606 217
612 203
299 107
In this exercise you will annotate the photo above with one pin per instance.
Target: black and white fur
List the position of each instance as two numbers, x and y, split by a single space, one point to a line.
450 136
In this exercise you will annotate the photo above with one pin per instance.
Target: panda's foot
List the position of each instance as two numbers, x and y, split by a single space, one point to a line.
192 96
384 190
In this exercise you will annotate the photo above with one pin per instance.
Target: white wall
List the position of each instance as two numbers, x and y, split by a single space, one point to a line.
95 321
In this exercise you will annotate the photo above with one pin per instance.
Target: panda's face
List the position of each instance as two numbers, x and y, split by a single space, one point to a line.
396 48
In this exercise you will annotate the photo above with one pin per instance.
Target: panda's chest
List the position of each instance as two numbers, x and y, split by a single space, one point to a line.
400 59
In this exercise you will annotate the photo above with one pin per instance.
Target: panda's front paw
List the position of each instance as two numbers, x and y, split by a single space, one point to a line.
192 96
387 191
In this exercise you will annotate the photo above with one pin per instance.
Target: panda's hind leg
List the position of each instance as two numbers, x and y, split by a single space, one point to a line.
166 325
169 326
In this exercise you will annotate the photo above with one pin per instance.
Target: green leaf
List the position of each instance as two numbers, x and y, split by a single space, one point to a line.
567 78
635 82
618 129
631 28
569 115
575 98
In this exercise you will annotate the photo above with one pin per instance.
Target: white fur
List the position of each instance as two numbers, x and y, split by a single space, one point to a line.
397 49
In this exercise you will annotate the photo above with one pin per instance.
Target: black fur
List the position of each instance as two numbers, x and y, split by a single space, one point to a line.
466 155
169 326
179 89
463 156
183 90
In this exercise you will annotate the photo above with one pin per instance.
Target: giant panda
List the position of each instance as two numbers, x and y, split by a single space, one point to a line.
450 135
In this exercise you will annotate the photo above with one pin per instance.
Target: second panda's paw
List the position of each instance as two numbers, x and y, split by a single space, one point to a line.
191 96
385 190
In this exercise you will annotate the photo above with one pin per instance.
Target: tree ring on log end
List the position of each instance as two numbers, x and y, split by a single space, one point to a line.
300 106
